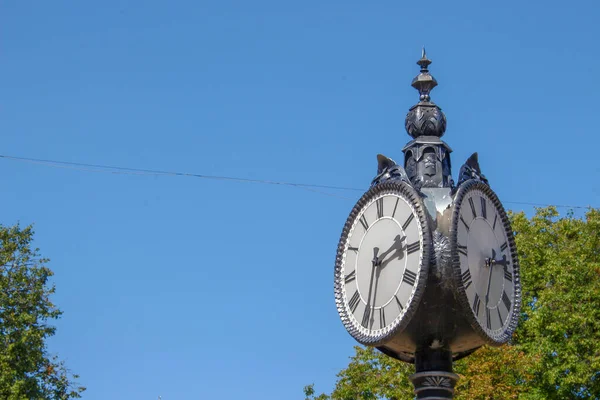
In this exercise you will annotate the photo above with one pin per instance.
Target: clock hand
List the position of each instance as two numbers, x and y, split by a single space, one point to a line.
487 294
375 297
375 260
374 263
491 261
397 247
504 262
379 265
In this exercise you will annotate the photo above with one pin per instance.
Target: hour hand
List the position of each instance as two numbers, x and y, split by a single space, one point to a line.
490 262
375 260
396 247
504 262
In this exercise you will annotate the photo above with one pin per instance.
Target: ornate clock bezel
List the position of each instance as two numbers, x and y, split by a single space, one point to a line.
492 339
407 192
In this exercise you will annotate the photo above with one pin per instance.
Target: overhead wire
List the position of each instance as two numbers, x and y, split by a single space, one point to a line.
315 188
87 167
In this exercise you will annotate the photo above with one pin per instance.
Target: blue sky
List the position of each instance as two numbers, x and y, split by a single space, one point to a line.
189 288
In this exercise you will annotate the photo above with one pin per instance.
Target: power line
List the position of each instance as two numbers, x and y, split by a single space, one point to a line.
140 171
524 203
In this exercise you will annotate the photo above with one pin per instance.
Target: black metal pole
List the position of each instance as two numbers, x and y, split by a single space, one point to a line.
434 379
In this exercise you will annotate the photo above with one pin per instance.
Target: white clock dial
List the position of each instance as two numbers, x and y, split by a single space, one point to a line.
485 256
380 265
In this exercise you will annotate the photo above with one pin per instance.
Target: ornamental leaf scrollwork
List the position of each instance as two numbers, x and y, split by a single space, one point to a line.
439 381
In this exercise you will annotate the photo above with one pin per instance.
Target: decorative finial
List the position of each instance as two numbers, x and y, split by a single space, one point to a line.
424 61
424 82
425 118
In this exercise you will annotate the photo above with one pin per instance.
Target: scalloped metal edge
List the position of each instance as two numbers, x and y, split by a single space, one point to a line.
460 294
412 197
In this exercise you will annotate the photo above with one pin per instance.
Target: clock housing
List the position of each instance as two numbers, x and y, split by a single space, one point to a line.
382 263
485 263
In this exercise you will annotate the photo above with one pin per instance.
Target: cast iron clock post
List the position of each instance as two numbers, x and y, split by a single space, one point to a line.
426 269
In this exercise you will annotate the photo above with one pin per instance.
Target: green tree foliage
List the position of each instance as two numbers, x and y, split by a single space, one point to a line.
555 353
560 268
27 371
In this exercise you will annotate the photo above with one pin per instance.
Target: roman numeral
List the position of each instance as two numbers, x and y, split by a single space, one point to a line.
411 248
379 204
488 319
506 301
395 206
398 302
472 207
408 221
364 222
409 277
483 208
504 246
381 318
507 274
500 316
495 219
353 303
464 223
350 277
466 279
353 248
462 249
366 317
476 304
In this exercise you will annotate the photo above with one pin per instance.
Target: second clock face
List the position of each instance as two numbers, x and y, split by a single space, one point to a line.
486 256
381 265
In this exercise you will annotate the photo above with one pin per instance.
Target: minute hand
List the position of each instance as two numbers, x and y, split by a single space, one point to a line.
487 293
374 262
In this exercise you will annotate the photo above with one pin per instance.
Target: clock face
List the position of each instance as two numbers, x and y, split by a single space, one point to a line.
485 262
382 262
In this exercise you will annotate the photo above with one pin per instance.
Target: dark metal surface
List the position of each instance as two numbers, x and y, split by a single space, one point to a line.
427 157
425 118
471 170
439 320
440 327
388 170
434 378
442 252
427 162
